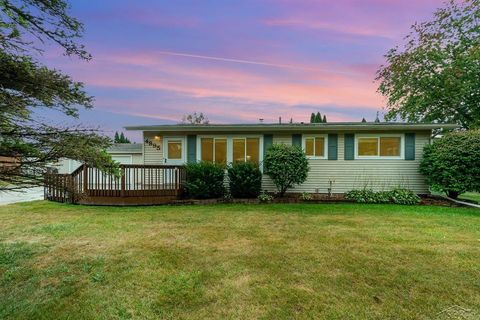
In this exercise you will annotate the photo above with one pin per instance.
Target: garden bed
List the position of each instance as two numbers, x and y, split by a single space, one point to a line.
297 198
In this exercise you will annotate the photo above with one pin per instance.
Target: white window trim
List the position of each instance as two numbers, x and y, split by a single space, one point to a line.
378 136
325 145
230 145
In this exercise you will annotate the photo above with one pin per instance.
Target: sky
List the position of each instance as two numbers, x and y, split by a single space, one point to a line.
236 61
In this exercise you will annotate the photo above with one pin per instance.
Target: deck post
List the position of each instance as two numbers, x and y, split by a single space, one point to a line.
122 186
85 179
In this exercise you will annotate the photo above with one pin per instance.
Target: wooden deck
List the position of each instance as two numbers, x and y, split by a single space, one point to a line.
134 185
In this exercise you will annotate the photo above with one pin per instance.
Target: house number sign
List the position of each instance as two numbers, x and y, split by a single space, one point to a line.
153 144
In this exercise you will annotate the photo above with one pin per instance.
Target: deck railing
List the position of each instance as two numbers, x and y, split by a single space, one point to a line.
133 181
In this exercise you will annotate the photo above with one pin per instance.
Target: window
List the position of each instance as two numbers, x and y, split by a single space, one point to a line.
229 149
238 150
246 149
253 150
174 149
314 147
379 146
390 146
214 150
368 146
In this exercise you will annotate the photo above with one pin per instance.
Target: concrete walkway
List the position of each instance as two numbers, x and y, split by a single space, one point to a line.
30 194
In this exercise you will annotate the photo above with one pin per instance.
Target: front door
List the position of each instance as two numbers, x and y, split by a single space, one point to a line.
174 151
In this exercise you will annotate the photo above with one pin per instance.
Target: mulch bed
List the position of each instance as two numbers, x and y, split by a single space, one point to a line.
429 200
432 200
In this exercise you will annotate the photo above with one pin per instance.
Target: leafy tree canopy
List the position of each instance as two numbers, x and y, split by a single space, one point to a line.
27 87
195 118
436 75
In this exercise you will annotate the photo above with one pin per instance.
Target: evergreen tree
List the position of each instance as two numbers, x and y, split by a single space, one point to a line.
324 119
120 138
363 120
318 118
312 118
28 88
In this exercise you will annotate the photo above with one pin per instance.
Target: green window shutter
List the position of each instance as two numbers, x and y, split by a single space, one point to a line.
349 146
409 146
332 146
297 140
191 148
267 142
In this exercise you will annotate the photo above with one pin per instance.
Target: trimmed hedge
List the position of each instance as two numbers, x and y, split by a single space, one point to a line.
245 180
205 180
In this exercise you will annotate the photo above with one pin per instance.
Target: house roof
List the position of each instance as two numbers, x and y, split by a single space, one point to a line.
296 127
126 148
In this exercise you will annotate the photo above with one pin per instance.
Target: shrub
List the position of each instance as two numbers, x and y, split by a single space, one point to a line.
205 180
264 197
398 195
367 196
451 164
286 166
245 180
306 196
404 196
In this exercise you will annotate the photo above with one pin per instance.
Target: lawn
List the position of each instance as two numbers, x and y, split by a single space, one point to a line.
238 261
472 196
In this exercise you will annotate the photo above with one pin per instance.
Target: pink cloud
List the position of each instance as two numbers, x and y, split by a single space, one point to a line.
355 30
303 86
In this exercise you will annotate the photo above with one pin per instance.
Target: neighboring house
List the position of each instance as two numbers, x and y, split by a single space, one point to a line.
7 161
345 155
124 153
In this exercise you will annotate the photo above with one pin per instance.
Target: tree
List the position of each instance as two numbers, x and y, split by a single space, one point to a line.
195 118
363 120
286 165
120 138
324 119
318 118
312 118
436 75
451 164
27 86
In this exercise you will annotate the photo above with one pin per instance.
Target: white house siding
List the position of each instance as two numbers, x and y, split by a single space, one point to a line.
378 174
151 155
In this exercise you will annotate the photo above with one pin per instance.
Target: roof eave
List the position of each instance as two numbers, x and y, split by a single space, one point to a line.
293 127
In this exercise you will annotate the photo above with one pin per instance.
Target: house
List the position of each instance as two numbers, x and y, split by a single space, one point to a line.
124 153
343 156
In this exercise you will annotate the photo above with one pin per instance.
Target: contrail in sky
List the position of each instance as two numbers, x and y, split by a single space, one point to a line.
261 63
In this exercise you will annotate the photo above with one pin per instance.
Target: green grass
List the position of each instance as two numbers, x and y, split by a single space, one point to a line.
342 261
472 196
